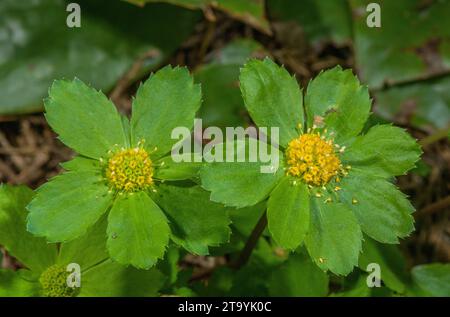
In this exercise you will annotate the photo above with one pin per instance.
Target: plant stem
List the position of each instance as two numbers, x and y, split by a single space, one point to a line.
434 137
251 242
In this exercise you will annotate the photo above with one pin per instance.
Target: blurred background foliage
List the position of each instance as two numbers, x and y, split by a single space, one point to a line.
405 63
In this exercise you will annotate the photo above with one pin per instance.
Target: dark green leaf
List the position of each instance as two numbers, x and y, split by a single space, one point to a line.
390 260
13 285
298 276
37 46
196 222
32 252
432 279
412 42
88 250
110 279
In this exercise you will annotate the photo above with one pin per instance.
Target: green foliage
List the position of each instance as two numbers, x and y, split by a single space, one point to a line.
431 280
272 97
320 20
238 184
138 229
334 214
298 276
288 213
99 276
337 98
223 105
37 50
407 37
168 99
251 12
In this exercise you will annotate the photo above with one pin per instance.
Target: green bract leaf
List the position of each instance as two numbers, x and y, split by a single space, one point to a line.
272 97
81 163
334 237
240 184
138 232
110 279
383 212
84 118
13 285
337 98
432 279
168 99
178 170
298 276
65 207
384 151
196 222
32 252
288 213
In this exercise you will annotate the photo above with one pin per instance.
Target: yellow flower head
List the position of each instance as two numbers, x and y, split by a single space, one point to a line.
313 159
54 282
130 170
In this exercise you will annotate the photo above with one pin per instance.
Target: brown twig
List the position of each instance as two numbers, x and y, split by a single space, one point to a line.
437 206
251 242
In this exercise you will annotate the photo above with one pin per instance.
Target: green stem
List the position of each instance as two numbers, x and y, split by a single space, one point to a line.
251 242
434 137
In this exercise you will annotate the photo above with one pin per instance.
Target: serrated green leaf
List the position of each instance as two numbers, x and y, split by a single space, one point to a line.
84 118
383 211
272 97
81 163
240 184
88 250
298 276
432 279
288 213
32 252
66 206
13 285
138 232
334 237
173 169
195 221
110 279
384 151
168 99
337 98
390 260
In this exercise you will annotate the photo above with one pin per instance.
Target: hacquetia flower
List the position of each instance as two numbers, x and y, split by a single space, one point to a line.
78 268
124 168
334 182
